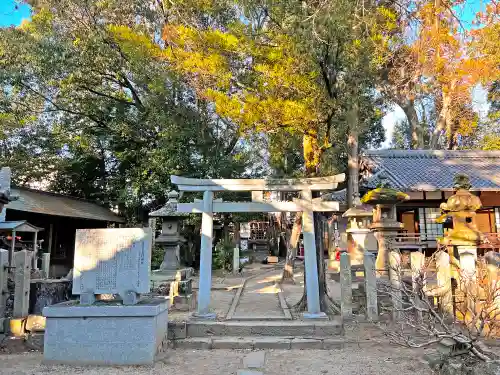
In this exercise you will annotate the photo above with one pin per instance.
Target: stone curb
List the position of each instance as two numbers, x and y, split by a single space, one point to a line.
253 343
253 328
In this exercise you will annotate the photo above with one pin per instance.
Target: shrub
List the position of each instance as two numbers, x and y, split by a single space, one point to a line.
223 255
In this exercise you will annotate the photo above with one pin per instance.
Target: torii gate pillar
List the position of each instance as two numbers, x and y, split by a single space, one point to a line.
207 229
310 262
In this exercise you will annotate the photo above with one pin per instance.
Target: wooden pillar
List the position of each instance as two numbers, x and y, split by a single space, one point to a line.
34 260
207 231
310 260
22 283
51 233
46 265
12 248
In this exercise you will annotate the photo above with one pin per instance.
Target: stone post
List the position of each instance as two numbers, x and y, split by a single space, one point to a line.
311 267
395 279
345 286
22 283
46 264
4 262
207 228
236 260
417 263
444 281
370 287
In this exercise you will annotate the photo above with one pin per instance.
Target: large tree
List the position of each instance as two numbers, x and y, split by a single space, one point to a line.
86 117
300 68
441 60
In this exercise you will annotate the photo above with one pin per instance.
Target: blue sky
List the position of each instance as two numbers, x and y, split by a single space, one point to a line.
12 13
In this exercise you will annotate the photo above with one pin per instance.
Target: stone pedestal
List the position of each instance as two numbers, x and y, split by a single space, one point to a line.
172 257
358 240
177 285
468 257
105 334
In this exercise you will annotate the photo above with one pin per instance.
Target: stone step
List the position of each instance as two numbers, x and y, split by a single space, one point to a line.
255 328
260 342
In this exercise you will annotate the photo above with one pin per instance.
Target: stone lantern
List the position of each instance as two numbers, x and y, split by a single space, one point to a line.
358 231
170 238
385 225
463 238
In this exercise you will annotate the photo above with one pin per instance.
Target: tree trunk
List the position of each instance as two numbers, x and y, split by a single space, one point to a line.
292 249
352 158
312 153
312 157
445 121
417 134
442 120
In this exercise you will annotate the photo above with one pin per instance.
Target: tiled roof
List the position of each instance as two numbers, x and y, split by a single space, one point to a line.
170 209
42 202
336 196
426 170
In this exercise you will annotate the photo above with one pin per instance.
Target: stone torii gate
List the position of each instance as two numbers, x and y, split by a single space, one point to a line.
306 204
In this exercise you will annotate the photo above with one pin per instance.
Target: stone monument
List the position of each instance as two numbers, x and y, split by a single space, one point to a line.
126 330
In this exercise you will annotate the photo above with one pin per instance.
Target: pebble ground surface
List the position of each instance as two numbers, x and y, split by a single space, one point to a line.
376 360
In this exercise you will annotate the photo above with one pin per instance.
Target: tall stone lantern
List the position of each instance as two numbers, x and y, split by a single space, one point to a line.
358 230
463 238
385 225
170 238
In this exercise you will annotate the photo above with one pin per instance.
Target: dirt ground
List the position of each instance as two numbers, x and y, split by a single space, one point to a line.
373 361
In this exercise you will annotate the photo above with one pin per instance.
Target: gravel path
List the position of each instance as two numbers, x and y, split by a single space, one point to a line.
372 361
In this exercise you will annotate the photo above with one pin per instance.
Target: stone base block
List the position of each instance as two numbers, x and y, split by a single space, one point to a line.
184 303
106 333
174 274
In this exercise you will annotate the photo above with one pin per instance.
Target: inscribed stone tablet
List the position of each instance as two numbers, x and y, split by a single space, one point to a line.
111 261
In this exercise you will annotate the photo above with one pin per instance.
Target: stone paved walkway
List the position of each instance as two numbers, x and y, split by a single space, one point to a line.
259 298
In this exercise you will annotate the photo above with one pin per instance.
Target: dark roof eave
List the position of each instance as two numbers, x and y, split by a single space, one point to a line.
117 219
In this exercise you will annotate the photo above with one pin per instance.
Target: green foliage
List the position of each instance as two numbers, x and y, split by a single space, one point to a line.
98 121
157 256
223 255
384 194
